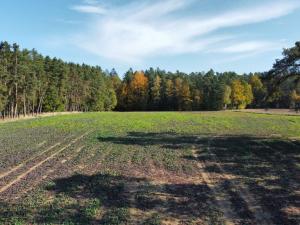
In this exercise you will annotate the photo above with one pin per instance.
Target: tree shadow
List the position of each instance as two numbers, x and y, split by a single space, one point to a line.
170 140
268 167
114 196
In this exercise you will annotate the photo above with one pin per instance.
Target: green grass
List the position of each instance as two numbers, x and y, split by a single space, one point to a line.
182 123
139 168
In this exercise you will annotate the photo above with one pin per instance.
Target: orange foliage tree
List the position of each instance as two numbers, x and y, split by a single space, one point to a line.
138 91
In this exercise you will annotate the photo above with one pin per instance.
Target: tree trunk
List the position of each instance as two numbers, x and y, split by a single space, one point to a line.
24 103
16 99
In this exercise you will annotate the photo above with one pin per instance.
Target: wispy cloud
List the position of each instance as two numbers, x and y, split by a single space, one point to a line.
133 32
250 46
89 6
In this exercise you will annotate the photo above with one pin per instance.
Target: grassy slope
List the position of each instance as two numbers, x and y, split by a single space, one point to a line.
126 147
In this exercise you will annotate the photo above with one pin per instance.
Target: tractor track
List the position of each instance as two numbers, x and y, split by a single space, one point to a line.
16 167
250 204
13 172
20 176
222 201
46 173
63 167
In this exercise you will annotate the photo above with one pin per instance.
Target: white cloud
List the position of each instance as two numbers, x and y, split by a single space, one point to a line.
135 31
250 46
89 8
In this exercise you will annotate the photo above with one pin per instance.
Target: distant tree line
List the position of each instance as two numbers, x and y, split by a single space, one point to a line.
155 89
31 83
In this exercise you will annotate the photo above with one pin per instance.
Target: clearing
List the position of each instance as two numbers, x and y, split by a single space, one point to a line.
151 168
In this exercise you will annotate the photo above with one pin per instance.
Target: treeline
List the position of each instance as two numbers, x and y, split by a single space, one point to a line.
31 84
155 89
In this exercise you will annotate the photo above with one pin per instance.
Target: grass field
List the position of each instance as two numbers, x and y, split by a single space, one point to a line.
151 168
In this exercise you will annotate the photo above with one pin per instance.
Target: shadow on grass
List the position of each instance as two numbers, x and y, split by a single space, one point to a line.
169 140
106 199
268 167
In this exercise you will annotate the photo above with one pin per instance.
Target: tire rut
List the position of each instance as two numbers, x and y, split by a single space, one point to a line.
15 171
21 168
38 164
14 168
251 204
45 175
222 199
63 168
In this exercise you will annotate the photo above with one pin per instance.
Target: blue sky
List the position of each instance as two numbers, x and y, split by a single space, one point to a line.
185 35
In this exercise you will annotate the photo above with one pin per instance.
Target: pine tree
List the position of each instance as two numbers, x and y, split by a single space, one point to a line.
168 95
155 93
177 94
186 96
197 100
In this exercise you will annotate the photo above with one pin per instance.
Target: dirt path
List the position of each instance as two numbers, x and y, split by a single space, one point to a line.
261 217
222 199
7 120
37 165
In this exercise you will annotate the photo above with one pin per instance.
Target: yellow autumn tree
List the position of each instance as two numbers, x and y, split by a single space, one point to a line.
241 94
156 92
182 94
197 99
186 96
123 97
258 90
255 82
168 94
237 93
295 99
248 94
177 93
138 91
226 100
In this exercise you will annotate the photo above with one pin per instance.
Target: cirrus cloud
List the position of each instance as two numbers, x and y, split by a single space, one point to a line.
133 32
90 7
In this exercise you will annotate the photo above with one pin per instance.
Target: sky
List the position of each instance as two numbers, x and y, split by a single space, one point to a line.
186 35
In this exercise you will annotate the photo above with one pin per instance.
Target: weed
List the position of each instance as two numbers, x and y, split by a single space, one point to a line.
118 216
92 208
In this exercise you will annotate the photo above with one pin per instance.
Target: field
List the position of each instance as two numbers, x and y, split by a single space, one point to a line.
151 168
